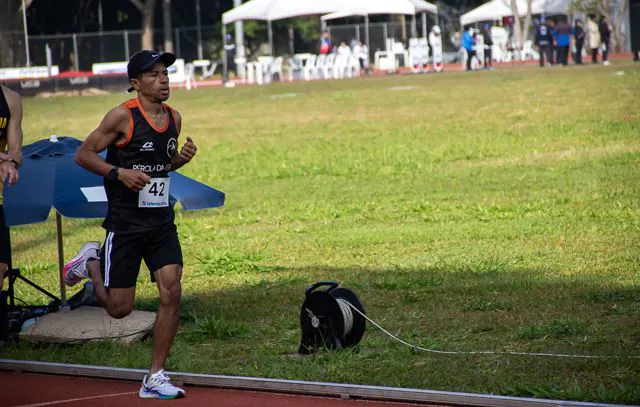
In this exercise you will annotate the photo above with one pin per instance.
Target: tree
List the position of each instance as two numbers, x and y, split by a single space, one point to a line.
10 27
521 30
166 19
613 10
147 8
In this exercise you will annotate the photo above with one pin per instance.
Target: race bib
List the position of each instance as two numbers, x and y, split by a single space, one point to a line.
155 194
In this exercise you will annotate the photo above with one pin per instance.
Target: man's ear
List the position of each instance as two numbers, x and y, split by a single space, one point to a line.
135 84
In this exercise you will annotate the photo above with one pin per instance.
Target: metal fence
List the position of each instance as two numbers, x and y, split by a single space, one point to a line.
80 50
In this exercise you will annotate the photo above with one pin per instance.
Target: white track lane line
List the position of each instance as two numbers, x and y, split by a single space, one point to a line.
51 403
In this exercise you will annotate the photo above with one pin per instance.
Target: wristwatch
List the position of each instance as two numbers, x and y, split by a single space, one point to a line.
113 174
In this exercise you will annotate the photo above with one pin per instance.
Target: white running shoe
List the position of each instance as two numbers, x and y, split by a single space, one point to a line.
76 269
159 386
606 63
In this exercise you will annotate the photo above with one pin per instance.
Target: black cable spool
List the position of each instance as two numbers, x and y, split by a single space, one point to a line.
327 324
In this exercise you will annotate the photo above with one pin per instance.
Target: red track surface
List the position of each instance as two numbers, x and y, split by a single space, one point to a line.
31 390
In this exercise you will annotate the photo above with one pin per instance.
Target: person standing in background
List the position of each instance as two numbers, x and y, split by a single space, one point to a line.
230 51
563 40
11 139
605 38
594 37
578 41
488 43
325 44
435 47
542 40
553 42
467 44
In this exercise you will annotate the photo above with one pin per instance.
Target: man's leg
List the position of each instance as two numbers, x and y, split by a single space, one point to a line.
112 269
118 302
542 50
578 53
164 330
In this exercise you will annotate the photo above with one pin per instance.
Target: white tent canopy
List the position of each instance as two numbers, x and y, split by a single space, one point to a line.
497 9
424 6
549 7
385 7
271 10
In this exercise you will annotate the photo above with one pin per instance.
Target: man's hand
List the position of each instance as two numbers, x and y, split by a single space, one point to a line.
133 179
8 171
5 157
188 150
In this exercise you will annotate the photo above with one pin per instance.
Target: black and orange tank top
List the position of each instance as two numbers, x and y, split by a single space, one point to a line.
149 149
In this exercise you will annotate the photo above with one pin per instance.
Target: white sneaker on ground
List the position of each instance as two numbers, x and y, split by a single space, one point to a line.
76 269
159 386
605 63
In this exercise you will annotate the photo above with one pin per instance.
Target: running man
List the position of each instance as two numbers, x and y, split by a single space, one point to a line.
141 139
10 138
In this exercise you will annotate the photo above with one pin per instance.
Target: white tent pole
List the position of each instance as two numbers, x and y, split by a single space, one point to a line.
414 29
366 30
366 37
270 38
26 34
199 30
239 41
424 24
224 54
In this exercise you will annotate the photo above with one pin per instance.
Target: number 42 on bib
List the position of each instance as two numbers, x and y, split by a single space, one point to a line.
155 194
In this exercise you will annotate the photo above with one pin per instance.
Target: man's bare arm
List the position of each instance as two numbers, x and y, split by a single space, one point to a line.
10 162
114 128
14 131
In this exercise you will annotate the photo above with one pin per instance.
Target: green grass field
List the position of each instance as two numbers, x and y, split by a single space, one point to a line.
469 211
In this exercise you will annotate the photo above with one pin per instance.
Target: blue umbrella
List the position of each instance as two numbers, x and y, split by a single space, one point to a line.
50 178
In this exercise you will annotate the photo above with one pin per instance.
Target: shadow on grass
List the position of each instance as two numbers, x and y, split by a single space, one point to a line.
252 329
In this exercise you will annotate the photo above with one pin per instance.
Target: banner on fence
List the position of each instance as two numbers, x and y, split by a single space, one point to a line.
30 72
109 68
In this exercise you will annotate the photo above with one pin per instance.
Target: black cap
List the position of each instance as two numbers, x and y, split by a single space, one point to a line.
143 60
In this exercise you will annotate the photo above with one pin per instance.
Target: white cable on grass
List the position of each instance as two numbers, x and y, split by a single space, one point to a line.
483 352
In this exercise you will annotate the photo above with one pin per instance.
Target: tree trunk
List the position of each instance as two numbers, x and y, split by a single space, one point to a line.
12 47
147 8
8 26
527 22
166 19
517 24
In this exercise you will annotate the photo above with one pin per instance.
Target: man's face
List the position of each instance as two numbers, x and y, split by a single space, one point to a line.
154 83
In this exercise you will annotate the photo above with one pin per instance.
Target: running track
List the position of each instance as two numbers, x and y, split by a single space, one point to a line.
35 390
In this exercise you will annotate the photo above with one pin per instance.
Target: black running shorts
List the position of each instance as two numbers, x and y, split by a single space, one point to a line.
5 245
121 254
